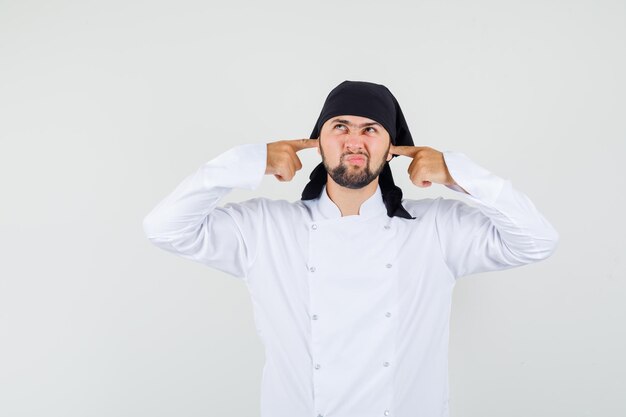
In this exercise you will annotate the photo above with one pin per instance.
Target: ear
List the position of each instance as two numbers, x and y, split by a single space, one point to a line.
389 154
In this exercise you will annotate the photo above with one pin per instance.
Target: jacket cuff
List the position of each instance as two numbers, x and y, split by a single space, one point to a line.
481 184
242 166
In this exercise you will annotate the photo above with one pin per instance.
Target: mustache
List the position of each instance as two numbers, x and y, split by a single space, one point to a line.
345 155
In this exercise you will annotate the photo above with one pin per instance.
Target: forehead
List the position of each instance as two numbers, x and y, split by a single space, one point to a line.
356 120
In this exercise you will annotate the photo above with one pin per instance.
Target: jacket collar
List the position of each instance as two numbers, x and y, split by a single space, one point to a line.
371 207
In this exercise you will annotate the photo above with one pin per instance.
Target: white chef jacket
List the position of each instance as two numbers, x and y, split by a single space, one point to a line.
353 311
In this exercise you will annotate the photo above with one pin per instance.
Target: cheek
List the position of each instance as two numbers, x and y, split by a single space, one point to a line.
331 145
378 147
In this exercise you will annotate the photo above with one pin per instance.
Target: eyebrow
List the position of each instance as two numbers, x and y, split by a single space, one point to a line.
349 123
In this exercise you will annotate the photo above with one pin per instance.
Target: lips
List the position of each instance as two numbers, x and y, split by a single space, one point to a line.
356 158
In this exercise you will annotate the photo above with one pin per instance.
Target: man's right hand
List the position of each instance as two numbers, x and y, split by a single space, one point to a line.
282 161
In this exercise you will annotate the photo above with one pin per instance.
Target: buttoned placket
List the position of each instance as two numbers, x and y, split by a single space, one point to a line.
386 362
387 227
314 317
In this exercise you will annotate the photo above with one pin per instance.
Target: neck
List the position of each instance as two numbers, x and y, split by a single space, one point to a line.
347 199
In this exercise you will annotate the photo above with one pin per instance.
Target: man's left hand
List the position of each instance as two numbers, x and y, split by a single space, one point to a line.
428 165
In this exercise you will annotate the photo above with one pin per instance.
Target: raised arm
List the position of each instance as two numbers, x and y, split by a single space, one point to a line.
504 230
189 223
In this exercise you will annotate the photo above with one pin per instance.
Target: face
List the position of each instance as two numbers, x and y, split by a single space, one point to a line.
354 149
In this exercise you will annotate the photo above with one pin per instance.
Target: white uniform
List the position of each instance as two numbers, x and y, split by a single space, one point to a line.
353 311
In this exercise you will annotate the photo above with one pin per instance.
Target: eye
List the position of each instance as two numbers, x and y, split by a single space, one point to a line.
340 124
372 128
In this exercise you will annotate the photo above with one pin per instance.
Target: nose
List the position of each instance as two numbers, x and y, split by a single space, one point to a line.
354 141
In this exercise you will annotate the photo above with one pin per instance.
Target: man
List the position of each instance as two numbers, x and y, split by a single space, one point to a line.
352 285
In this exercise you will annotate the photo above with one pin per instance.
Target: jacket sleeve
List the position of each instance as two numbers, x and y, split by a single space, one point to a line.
502 231
189 223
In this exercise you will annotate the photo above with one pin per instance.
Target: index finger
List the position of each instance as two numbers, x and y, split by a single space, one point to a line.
410 151
300 144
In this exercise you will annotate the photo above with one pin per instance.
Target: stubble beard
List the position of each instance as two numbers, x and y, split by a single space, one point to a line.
348 176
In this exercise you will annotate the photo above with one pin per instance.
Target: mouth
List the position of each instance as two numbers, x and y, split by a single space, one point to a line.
356 159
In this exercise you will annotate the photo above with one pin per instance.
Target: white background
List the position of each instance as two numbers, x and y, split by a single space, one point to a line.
106 106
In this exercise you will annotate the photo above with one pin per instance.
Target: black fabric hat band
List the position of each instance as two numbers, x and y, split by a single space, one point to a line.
374 101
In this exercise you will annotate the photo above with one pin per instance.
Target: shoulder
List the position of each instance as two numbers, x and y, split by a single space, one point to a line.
267 207
435 206
420 208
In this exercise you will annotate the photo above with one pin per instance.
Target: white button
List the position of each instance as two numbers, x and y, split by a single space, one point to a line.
319 415
387 226
387 314
385 363
312 269
388 265
317 366
314 226
387 412
314 317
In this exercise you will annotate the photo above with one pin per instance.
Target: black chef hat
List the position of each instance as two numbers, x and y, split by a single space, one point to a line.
374 101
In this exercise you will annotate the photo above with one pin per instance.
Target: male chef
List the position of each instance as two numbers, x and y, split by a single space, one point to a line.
351 285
